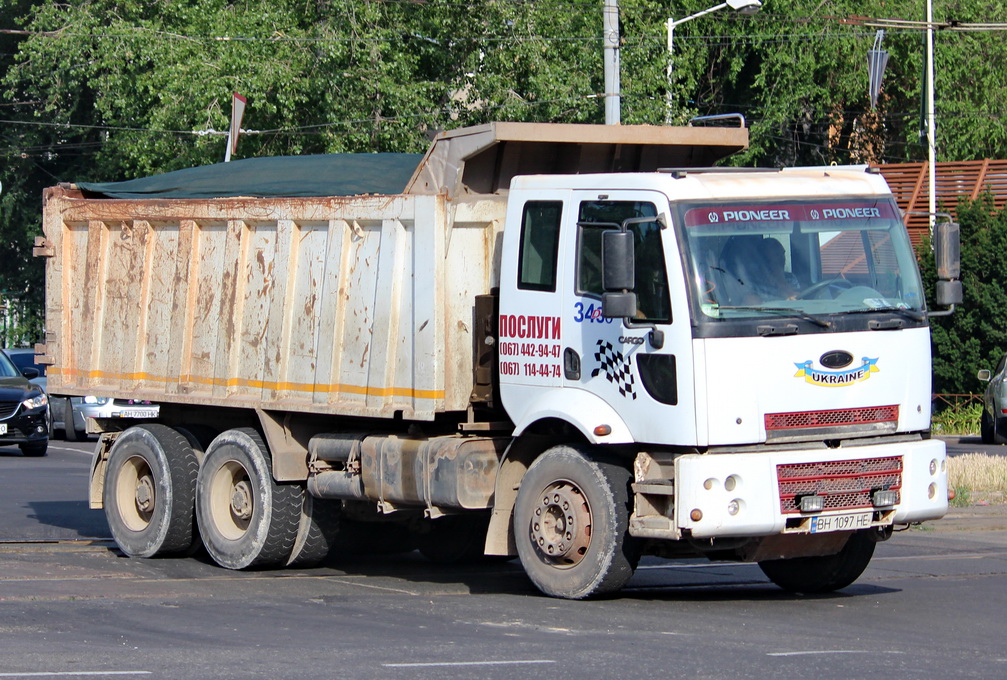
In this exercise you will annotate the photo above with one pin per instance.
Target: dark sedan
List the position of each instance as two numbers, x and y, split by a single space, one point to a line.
24 410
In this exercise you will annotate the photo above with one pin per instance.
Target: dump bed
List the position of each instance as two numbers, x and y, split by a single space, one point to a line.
353 305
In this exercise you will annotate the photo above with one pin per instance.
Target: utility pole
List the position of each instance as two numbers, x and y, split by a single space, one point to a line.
931 133
613 99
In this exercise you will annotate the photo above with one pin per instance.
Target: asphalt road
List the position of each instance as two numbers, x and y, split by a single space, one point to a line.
930 605
972 444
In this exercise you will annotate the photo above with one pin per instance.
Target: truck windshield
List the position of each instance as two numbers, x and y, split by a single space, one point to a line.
814 257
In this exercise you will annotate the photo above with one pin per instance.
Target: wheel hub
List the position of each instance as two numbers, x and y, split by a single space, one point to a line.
241 500
561 525
144 494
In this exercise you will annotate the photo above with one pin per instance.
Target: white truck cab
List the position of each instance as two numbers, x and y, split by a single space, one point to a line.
766 354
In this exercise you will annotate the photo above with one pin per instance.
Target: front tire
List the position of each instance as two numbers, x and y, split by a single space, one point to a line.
823 574
245 518
150 483
571 521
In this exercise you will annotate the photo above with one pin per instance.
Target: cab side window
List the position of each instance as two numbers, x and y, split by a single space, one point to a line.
539 245
596 217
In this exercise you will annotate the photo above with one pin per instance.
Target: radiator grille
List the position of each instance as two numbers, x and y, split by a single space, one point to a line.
8 408
843 416
845 484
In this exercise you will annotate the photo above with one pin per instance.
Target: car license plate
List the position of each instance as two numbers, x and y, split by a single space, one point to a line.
3 428
851 522
140 413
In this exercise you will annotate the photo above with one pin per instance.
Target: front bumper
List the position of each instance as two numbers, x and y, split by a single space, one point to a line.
26 426
739 494
117 409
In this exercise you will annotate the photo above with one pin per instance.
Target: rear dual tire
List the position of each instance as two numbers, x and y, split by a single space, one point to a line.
149 488
245 518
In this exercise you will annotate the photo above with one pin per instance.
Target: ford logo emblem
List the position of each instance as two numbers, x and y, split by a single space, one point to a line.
837 358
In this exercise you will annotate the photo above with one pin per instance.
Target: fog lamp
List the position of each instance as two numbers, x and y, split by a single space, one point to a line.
885 498
812 503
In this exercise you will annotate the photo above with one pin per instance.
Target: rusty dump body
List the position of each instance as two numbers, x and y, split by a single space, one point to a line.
340 305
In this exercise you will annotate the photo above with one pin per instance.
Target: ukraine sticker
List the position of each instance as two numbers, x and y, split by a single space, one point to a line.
837 378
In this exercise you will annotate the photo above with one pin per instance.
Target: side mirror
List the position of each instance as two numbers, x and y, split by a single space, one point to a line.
948 258
618 305
30 372
618 278
984 375
948 250
618 261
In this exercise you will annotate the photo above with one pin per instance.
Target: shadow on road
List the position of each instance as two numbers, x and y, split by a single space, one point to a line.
70 519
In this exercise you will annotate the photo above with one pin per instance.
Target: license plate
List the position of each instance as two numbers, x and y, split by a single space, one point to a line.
140 413
3 428
851 522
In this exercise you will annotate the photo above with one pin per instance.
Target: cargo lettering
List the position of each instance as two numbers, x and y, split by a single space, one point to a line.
529 327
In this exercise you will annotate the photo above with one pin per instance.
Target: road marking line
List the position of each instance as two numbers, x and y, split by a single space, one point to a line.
835 651
465 663
716 565
69 450
71 674
367 585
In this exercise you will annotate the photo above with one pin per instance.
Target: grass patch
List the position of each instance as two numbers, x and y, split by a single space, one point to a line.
958 418
978 478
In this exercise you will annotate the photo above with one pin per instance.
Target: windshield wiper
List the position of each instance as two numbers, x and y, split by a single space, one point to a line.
905 311
788 311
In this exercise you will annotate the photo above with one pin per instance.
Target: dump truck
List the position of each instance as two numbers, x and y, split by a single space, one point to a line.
572 344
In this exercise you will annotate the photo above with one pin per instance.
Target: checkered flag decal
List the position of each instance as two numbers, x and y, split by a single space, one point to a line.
616 368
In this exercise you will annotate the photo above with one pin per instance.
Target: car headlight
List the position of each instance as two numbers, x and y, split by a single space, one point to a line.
91 399
37 401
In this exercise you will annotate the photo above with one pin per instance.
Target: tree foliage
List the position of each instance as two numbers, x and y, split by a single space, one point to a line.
975 336
105 90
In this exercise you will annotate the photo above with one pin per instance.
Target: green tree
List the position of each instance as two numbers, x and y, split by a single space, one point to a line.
975 336
113 89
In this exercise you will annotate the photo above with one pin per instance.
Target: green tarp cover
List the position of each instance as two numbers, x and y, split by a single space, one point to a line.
348 174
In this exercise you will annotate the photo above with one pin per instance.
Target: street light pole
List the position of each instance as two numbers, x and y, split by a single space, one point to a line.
931 133
613 99
746 7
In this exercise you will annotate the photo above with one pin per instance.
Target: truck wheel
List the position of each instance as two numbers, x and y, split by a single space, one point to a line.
823 574
454 539
150 481
70 430
571 521
317 531
245 518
